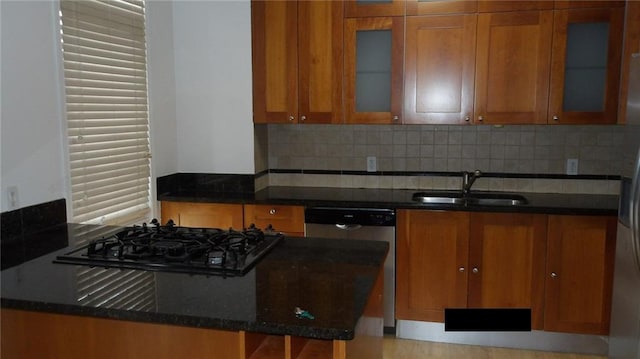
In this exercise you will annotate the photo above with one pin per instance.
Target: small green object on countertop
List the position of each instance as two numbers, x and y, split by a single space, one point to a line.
301 313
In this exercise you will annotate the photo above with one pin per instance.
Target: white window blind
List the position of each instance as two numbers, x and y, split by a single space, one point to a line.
105 74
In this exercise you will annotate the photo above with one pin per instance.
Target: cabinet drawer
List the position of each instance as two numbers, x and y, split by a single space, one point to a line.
287 219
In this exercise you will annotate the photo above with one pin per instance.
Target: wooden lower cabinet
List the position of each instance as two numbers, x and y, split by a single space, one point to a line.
506 262
209 215
579 275
474 260
27 334
560 266
286 219
431 259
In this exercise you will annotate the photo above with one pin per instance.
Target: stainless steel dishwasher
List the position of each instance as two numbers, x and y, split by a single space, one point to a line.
360 223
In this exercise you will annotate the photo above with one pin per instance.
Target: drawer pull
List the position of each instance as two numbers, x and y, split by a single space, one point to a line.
272 211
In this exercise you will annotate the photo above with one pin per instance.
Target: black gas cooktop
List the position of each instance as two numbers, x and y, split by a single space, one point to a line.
172 248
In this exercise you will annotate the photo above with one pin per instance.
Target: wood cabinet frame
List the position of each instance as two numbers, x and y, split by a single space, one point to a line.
297 61
352 26
562 18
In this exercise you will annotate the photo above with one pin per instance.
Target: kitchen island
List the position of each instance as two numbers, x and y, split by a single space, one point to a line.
61 310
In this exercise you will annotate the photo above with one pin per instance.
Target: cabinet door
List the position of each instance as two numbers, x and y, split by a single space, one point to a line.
369 8
439 69
580 255
373 69
585 69
434 7
432 252
512 67
506 260
297 61
275 61
287 219
206 215
320 61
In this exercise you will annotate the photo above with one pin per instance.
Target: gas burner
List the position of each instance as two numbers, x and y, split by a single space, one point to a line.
178 249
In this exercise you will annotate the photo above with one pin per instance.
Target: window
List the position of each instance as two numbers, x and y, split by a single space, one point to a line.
105 73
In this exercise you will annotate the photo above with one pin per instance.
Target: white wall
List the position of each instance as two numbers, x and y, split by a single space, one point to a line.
199 93
162 87
212 43
32 129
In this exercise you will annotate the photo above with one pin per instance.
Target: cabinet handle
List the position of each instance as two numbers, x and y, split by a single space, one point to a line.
461 269
480 118
272 211
554 275
303 118
396 118
291 118
467 119
556 118
475 270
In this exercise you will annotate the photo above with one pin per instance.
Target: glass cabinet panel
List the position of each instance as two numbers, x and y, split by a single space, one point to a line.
586 67
373 50
373 71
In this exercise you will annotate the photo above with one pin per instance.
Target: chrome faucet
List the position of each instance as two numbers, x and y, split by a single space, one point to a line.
467 180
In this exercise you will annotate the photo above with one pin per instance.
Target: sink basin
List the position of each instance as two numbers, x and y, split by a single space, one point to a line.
496 199
474 198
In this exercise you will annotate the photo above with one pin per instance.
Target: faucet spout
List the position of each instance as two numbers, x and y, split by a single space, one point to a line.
467 180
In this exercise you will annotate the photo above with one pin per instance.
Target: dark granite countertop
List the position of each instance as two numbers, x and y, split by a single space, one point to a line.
551 203
330 278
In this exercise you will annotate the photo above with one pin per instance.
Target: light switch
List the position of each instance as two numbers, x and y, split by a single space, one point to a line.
572 166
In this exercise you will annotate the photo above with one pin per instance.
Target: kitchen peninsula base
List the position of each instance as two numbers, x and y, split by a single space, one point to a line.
27 334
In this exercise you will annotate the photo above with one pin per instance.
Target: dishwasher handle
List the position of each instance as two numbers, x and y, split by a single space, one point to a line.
348 227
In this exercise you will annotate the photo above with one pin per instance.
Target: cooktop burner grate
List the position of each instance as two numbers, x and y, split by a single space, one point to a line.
172 248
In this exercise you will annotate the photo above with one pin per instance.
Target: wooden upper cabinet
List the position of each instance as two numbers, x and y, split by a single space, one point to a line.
585 66
512 67
435 7
439 69
432 252
297 61
373 51
573 4
369 8
507 262
579 276
513 5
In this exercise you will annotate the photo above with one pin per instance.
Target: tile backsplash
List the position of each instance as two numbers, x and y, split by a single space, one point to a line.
518 149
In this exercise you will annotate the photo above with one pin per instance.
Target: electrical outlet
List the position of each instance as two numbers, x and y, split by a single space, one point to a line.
372 165
572 166
12 197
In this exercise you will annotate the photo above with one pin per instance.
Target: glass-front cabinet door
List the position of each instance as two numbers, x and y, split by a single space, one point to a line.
373 69
585 66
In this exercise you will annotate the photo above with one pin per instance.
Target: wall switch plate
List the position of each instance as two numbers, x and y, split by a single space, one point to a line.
572 166
12 198
372 165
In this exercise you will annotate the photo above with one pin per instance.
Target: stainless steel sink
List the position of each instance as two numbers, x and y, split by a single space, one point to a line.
474 198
